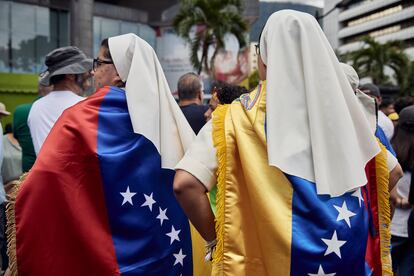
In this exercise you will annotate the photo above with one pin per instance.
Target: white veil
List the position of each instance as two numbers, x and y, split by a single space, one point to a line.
315 128
152 108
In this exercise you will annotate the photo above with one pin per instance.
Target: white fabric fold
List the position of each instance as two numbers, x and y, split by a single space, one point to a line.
152 108
315 128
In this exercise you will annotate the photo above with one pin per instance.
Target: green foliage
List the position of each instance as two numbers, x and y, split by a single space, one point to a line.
214 18
254 79
407 87
371 61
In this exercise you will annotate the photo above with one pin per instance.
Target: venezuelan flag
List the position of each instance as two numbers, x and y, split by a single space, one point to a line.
273 223
97 201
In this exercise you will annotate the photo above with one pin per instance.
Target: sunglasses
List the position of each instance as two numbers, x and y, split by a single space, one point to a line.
98 62
257 49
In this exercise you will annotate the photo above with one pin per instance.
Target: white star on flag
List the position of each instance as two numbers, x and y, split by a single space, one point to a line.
162 215
149 201
127 197
173 234
344 214
179 258
334 245
321 273
358 194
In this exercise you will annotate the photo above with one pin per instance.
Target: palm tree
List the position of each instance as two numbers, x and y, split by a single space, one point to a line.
371 61
212 20
407 88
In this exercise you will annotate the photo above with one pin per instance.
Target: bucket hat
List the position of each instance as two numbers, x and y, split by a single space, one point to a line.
65 60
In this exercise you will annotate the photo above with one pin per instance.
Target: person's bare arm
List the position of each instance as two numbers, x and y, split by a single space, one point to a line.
191 194
395 175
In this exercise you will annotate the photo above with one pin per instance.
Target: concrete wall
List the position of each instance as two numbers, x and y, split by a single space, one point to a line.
81 25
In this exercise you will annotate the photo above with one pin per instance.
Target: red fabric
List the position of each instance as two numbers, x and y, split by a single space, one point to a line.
61 219
373 254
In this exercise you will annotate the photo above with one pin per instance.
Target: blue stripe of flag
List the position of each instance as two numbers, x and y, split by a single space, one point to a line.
315 218
139 197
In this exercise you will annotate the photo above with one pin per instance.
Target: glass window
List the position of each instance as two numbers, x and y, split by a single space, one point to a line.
23 53
23 18
96 35
27 34
4 16
109 27
4 51
42 21
104 27
148 34
64 29
129 27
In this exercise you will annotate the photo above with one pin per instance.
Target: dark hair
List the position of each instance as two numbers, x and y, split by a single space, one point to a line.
56 79
217 85
385 103
188 86
403 144
403 102
228 93
8 128
105 46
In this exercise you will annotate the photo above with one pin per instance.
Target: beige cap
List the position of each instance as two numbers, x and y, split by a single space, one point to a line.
3 110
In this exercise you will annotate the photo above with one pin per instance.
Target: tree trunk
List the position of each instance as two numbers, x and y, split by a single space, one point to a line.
204 58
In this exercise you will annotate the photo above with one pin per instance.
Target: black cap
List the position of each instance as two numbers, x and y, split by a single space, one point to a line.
370 88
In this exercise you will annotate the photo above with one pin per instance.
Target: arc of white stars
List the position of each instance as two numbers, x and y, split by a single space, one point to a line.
149 201
344 213
173 234
358 195
321 273
127 196
179 258
334 245
162 215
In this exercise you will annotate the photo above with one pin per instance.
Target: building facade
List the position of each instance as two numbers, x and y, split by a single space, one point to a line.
266 10
383 20
29 29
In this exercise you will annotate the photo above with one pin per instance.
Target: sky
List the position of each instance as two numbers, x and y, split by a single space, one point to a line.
317 3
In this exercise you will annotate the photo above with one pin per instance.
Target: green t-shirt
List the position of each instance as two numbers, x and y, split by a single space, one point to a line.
22 133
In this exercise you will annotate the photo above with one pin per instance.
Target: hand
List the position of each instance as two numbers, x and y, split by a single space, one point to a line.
403 203
7 272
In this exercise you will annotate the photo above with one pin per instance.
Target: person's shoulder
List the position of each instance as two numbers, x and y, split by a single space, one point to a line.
203 107
37 105
23 108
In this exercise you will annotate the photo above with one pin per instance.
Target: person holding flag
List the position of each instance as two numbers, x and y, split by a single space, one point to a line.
302 183
99 199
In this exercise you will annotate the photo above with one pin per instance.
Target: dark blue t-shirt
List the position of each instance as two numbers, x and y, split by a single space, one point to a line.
194 114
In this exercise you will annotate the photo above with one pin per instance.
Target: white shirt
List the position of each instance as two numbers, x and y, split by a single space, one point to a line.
2 192
386 124
45 112
200 159
399 220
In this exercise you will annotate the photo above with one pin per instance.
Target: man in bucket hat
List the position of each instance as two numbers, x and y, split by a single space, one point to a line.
68 70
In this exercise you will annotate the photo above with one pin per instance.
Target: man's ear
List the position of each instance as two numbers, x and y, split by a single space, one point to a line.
117 81
200 96
70 77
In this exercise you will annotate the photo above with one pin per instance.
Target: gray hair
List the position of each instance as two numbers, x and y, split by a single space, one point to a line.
188 86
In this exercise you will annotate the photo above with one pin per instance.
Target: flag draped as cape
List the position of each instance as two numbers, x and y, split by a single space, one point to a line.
97 201
273 223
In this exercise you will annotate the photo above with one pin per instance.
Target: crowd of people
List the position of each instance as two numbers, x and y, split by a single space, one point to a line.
310 173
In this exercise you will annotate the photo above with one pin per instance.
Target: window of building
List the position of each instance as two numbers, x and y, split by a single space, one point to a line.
105 27
27 34
374 16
